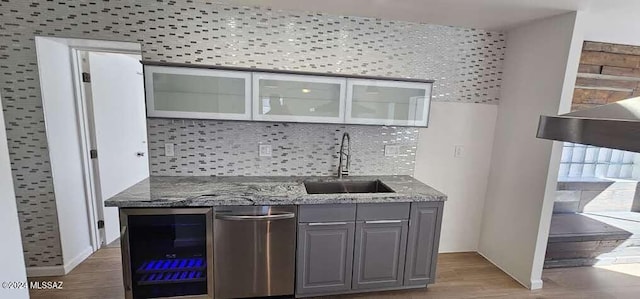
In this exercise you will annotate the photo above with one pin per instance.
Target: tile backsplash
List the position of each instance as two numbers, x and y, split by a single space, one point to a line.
204 147
465 64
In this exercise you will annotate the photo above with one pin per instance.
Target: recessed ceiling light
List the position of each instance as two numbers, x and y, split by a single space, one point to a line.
304 90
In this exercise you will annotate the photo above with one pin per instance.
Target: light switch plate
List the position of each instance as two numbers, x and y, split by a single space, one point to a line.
169 150
458 151
391 150
264 150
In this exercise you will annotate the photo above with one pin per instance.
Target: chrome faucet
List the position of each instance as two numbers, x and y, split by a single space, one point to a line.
344 170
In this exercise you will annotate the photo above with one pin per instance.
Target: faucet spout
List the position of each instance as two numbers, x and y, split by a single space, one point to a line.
344 169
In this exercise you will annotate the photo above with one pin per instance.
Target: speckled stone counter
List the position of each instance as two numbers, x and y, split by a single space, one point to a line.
194 191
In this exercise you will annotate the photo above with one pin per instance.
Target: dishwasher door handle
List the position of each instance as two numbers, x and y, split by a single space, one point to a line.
255 217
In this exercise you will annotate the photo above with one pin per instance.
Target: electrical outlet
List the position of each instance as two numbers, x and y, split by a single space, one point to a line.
391 150
458 151
264 150
169 150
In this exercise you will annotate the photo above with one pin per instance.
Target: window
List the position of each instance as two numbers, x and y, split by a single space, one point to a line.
586 161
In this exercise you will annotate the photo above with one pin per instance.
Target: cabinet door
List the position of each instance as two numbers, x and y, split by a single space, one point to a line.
298 98
380 102
379 254
325 257
180 92
424 238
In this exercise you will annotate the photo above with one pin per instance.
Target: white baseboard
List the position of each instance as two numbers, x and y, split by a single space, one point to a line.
59 270
74 262
45 271
532 285
536 284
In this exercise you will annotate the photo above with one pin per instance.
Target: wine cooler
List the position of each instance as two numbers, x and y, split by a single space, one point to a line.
167 253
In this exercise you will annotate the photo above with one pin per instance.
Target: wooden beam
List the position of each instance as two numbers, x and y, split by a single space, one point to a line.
589 68
606 83
610 59
604 88
577 107
599 97
621 71
607 77
607 73
611 48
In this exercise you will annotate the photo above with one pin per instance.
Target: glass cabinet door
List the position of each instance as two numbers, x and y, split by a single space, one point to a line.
298 98
179 92
379 102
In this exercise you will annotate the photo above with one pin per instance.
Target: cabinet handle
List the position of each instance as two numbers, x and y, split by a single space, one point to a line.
326 223
382 221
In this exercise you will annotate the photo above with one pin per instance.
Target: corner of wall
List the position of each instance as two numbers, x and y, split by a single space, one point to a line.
534 83
573 62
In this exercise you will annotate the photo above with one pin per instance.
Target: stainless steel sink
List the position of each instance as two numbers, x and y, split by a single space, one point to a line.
347 187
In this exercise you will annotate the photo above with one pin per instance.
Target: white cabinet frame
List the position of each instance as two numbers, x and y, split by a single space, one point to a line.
257 76
152 112
384 83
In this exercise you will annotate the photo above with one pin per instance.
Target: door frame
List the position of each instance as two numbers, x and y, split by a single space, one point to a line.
87 137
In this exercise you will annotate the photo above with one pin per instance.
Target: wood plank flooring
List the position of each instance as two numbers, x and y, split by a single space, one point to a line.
460 275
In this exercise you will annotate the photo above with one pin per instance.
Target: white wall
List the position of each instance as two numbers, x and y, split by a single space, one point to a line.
519 196
618 25
566 97
463 179
58 99
11 257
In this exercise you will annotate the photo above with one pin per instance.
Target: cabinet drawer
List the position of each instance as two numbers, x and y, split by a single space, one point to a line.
327 213
382 211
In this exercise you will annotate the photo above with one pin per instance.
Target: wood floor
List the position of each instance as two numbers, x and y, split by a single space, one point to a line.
460 275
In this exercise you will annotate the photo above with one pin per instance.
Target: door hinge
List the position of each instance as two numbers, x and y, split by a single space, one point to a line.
93 154
86 77
100 224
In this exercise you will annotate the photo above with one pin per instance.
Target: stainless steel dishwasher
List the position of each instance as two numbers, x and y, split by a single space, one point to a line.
254 251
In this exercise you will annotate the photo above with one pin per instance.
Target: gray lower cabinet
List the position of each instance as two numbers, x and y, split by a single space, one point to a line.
379 255
422 246
324 257
354 248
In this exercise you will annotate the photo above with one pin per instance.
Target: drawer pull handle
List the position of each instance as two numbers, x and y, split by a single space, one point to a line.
382 221
326 223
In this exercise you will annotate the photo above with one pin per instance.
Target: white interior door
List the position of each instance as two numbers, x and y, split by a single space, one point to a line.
120 128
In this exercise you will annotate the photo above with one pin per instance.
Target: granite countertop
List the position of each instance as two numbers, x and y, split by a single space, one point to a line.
201 191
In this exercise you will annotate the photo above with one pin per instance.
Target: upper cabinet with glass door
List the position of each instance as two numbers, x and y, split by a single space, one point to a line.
382 102
298 98
203 92
181 92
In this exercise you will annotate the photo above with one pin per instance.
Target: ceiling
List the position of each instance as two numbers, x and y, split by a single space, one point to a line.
484 14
